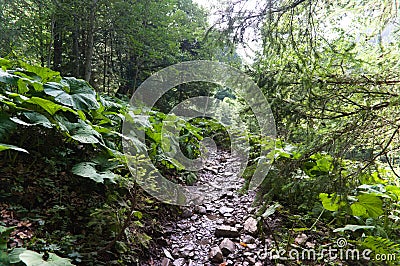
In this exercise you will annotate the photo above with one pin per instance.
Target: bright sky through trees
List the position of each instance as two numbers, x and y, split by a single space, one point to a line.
246 51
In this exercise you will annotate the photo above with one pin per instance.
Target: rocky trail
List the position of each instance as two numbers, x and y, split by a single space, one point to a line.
222 231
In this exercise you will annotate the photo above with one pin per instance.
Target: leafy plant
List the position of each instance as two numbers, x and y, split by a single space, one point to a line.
31 258
28 257
4 236
65 123
383 246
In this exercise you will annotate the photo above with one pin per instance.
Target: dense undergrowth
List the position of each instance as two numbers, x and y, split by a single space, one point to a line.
68 197
66 193
326 199
65 188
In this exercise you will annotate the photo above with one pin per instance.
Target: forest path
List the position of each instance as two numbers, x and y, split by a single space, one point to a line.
220 232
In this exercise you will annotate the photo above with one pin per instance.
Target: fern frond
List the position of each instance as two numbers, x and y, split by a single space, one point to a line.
380 245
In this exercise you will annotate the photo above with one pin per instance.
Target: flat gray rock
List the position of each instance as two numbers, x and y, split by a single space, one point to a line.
226 231
227 246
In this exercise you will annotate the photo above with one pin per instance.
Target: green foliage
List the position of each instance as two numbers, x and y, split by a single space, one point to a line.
113 45
330 203
4 235
367 205
316 181
11 147
334 92
73 92
31 258
381 245
64 105
14 255
72 108
75 132
87 169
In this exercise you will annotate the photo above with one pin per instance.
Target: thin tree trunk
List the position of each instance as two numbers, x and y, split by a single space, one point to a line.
105 63
50 42
41 39
57 45
90 42
111 62
133 88
75 48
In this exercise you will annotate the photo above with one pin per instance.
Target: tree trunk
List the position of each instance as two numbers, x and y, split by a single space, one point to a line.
57 45
50 44
90 42
105 63
75 48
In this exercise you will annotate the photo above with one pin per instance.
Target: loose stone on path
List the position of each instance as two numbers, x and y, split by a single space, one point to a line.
221 231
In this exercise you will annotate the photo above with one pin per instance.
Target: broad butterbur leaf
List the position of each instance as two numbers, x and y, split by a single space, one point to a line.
14 255
4 147
353 228
45 74
80 131
49 106
367 205
74 93
88 169
38 119
8 78
330 203
31 258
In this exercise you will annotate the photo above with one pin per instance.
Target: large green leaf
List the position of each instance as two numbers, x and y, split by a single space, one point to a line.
368 205
38 119
8 78
45 74
14 255
47 105
330 202
80 131
34 119
4 147
353 227
73 92
31 258
393 191
24 82
88 169
85 134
